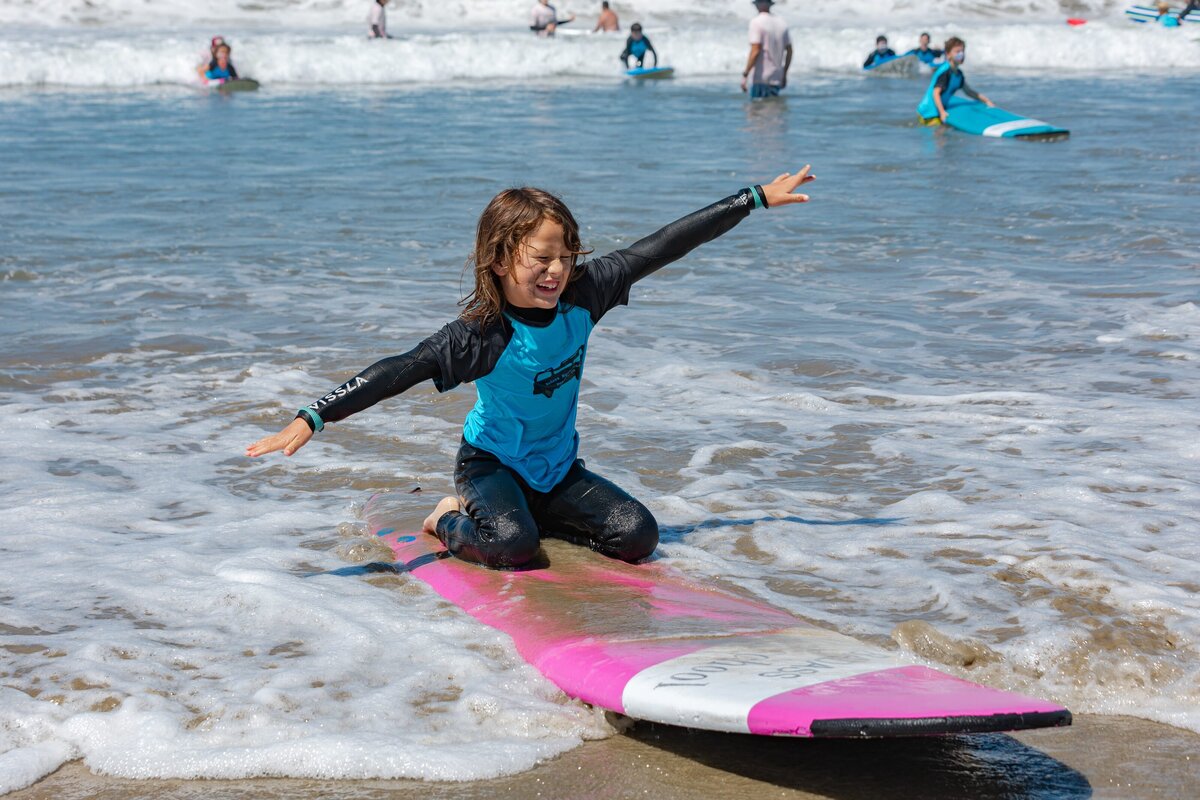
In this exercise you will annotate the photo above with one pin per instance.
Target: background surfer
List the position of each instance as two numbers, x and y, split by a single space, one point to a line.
378 20
517 472
543 18
636 46
770 53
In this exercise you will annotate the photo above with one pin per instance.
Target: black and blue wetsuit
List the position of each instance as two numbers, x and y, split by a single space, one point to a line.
950 79
214 71
637 48
517 466
929 55
879 55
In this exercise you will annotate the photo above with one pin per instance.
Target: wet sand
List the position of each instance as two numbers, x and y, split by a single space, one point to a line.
1118 757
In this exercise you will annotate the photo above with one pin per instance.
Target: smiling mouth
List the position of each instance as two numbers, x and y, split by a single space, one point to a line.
548 287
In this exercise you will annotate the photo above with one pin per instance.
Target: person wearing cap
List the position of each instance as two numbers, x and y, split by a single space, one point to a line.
637 46
543 19
881 52
607 23
770 53
378 20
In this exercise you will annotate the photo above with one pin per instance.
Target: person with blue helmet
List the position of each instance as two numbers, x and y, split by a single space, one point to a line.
947 80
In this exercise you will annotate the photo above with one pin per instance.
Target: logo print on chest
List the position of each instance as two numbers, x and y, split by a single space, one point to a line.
548 380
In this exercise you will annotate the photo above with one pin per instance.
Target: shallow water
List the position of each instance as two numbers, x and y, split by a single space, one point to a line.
959 387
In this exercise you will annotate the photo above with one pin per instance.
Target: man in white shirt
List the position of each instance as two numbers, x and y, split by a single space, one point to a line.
378 20
770 53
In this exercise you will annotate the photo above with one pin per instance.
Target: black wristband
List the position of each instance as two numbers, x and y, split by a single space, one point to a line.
312 426
762 196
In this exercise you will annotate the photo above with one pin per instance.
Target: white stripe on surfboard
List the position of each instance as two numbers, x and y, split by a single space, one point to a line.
1001 128
716 687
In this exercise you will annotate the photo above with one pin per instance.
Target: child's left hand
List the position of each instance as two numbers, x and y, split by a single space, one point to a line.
780 192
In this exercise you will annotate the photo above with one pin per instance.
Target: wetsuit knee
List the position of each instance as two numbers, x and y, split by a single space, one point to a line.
510 539
505 540
631 532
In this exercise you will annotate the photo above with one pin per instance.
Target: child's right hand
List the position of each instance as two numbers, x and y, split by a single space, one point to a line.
289 440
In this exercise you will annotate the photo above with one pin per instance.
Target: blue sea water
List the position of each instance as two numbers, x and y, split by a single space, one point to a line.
992 343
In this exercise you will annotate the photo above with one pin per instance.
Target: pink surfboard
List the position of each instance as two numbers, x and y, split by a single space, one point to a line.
644 641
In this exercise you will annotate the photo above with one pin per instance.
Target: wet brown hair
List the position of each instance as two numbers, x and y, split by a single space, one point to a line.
509 219
952 43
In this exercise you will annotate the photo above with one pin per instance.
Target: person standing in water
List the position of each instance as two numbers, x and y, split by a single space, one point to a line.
607 23
881 52
522 338
770 53
946 81
378 20
636 46
544 19
924 53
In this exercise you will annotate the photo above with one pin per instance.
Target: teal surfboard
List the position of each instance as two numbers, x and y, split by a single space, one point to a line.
972 116
651 73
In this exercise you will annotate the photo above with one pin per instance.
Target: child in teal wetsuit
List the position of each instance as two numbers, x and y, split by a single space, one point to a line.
522 339
946 81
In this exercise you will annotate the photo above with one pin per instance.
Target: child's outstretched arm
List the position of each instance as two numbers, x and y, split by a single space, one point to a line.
381 380
605 281
679 238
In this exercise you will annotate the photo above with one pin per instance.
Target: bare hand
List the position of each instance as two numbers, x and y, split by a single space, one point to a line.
942 115
289 440
780 192
744 83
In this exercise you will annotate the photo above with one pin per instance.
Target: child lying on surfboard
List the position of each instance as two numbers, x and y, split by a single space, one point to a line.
522 338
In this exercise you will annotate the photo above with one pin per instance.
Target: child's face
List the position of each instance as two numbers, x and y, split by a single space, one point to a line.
542 269
222 55
636 35
957 54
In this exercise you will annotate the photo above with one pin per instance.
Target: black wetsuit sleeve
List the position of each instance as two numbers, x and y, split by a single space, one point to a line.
968 91
232 72
466 351
606 281
626 52
943 82
381 380
870 60
650 49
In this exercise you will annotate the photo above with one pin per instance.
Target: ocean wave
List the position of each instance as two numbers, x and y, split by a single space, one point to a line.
149 58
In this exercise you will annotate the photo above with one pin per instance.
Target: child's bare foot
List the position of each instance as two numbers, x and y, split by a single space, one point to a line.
444 505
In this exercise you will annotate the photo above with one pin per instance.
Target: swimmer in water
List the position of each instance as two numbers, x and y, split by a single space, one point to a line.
881 52
221 68
925 53
522 338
